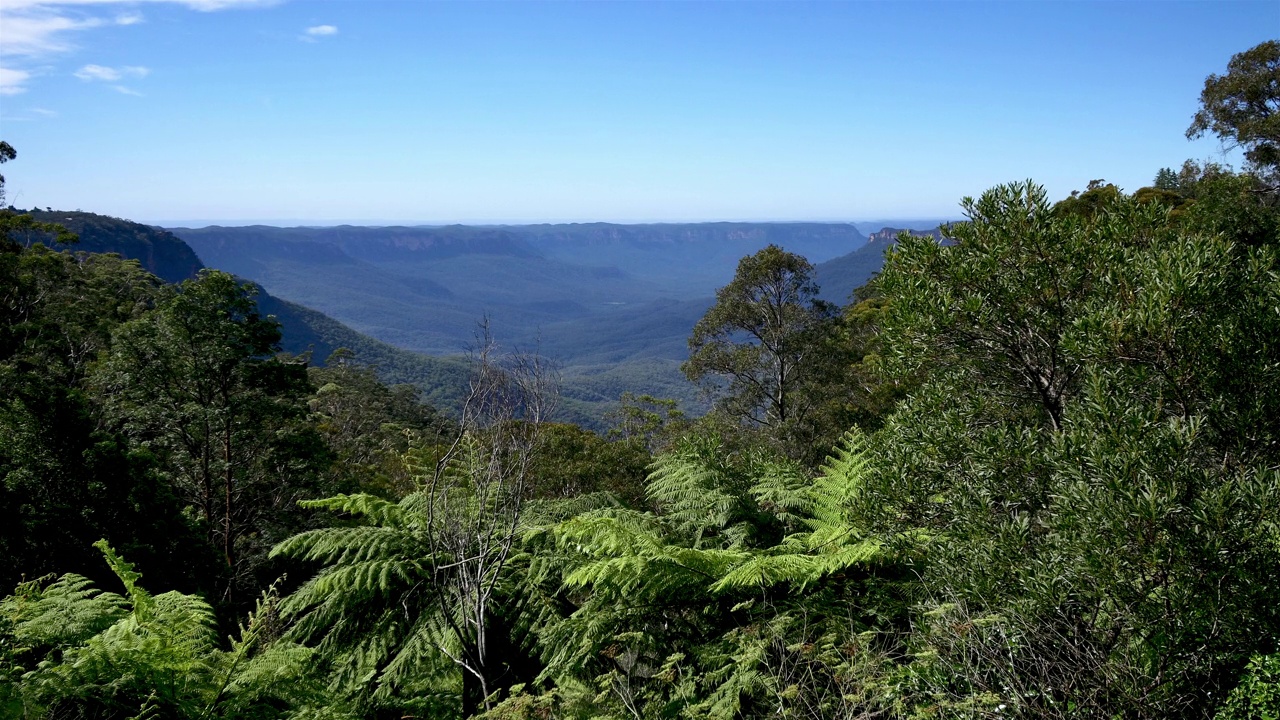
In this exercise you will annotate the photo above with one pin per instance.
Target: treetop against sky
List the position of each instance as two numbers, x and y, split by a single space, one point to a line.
226 110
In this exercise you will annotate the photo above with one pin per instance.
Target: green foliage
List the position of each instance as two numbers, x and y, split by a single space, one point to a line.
772 304
404 609
1088 204
370 612
1257 697
77 651
1061 498
1243 106
573 462
647 419
7 153
727 602
18 229
368 425
1240 207
765 349
65 478
1089 463
196 382
869 394
995 304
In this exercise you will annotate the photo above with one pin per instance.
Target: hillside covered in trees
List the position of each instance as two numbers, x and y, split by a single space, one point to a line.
1031 470
611 304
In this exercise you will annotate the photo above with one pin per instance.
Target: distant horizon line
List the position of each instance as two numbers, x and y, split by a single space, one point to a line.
195 223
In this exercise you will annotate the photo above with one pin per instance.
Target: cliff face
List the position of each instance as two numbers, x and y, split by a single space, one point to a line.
840 277
890 235
304 330
158 251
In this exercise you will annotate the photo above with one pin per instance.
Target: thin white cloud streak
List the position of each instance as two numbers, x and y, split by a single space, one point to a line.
322 30
110 74
126 90
33 114
201 5
39 33
13 81
35 29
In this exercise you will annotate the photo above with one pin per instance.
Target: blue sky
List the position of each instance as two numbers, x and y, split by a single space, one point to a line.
235 110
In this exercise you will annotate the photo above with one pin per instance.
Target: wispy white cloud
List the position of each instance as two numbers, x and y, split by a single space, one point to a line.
40 32
110 74
37 29
315 32
202 5
31 114
13 81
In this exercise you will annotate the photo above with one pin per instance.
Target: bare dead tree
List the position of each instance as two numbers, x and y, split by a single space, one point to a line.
474 495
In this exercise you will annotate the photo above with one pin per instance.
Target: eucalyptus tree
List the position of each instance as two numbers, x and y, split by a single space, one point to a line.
196 383
7 153
1243 107
765 350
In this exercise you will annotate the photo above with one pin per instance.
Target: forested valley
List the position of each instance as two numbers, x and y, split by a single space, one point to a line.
1030 470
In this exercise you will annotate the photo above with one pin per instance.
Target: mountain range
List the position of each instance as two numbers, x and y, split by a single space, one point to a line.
612 304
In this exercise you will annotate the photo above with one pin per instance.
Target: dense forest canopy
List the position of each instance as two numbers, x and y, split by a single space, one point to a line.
1032 469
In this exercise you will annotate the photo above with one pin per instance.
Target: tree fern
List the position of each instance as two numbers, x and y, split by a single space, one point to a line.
404 594
143 656
750 534
366 611
64 612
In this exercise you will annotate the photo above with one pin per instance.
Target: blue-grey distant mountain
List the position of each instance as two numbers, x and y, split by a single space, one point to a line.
423 287
614 304
838 278
686 259
303 330
890 234
869 227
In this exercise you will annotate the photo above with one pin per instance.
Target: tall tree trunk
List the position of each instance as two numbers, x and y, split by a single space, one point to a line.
206 489
228 480
472 694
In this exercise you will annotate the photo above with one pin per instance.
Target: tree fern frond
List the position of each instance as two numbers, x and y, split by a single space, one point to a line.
64 612
355 583
540 515
695 486
377 510
766 570
281 674
842 477
141 599
783 490
342 545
